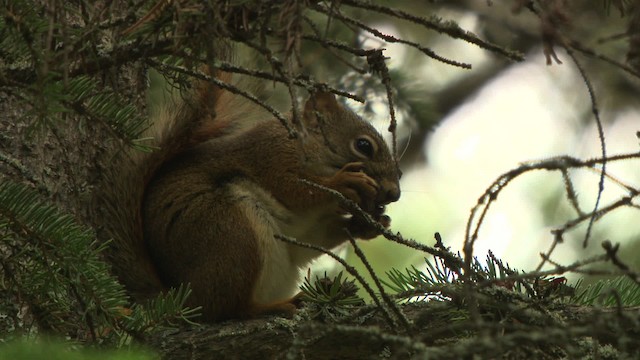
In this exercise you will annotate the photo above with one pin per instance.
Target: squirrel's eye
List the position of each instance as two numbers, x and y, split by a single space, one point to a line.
364 146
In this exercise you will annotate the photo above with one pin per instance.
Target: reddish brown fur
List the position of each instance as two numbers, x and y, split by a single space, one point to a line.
211 207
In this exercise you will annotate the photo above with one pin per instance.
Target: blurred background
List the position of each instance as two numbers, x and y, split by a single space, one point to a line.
462 128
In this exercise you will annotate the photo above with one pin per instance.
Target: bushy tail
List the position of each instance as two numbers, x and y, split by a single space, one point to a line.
210 112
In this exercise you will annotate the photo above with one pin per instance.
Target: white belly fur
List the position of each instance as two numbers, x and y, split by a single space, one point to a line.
283 263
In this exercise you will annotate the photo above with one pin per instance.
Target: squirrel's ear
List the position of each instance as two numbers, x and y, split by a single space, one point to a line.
322 102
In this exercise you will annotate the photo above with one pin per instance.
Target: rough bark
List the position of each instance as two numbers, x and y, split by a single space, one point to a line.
436 335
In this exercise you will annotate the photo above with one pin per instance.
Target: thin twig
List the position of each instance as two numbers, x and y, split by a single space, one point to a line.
388 38
603 145
477 216
445 27
385 297
299 80
576 45
228 87
452 261
572 196
350 269
319 35
612 254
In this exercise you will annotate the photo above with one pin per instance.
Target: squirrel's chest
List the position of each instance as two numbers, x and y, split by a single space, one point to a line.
312 225
281 262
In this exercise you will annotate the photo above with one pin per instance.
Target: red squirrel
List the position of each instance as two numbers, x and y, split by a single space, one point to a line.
204 208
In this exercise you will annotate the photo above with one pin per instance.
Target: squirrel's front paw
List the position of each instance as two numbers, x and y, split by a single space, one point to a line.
352 182
361 229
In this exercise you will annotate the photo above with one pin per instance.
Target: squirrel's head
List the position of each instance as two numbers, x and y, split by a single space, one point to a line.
340 136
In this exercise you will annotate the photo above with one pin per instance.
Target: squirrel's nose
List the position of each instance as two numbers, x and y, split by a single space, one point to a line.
390 192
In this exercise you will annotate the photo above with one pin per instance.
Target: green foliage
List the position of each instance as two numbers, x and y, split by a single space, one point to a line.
416 284
620 291
438 281
53 98
19 26
45 80
165 311
421 284
54 267
436 273
104 106
331 297
336 291
53 350
413 281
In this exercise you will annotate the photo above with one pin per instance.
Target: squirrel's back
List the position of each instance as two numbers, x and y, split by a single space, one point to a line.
175 126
